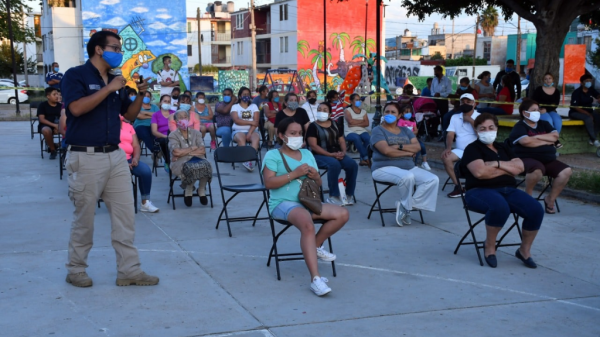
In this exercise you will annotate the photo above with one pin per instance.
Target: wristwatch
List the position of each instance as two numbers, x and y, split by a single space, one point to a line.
400 147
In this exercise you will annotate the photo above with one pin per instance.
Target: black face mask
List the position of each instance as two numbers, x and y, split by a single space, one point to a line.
312 101
175 96
465 108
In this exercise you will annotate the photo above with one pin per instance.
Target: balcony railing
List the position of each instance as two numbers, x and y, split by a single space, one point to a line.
224 36
220 60
264 58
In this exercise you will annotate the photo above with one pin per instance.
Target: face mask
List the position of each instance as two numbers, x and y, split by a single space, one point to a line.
390 119
55 69
534 116
226 99
486 80
335 102
408 115
276 99
292 105
246 99
165 106
132 98
175 97
549 85
487 137
358 104
465 108
200 100
312 101
294 143
322 116
464 88
146 100
113 59
184 106
588 84
183 124
508 70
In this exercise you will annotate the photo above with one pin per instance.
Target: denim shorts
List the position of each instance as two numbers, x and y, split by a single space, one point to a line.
282 211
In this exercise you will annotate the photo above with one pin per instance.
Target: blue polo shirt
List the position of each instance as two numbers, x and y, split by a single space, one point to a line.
102 125
54 76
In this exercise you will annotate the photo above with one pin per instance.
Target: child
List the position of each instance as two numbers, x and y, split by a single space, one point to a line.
407 120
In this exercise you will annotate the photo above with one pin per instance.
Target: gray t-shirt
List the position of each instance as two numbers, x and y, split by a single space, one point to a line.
379 160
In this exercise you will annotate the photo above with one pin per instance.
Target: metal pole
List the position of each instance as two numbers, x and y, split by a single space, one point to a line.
199 44
12 51
453 39
475 47
378 60
253 43
366 20
325 43
518 58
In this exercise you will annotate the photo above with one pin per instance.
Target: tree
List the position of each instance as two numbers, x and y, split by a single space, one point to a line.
18 10
358 46
465 61
437 56
489 21
551 19
6 61
339 39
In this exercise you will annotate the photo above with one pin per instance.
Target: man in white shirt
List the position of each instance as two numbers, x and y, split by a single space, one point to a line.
461 126
311 105
441 87
167 77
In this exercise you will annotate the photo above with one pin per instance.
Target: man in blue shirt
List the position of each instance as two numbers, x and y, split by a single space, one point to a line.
94 100
53 77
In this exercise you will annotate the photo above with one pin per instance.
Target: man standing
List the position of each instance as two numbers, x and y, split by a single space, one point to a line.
441 87
97 167
510 71
167 77
53 77
461 126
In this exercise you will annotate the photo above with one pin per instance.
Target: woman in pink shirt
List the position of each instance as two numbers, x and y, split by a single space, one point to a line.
407 120
160 127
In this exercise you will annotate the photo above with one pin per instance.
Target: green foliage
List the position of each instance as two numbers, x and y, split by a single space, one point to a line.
437 56
157 65
489 20
465 61
205 69
6 61
18 9
303 47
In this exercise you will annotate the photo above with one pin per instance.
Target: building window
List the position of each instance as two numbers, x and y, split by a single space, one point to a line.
487 50
285 41
240 48
283 44
283 12
239 21
189 50
189 27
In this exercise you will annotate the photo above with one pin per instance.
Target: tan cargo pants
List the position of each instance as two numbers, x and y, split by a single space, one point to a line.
102 175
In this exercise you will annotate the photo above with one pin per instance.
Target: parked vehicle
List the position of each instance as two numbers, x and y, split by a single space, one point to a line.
8 95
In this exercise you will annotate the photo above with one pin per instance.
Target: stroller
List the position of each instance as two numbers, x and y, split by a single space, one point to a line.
427 118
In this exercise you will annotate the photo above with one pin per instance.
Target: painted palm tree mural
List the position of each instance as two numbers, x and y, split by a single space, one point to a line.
358 46
339 40
318 58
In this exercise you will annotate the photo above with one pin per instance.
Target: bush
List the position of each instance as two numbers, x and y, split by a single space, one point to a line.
465 61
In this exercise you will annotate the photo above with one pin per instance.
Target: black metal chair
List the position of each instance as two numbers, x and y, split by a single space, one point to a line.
546 186
239 154
57 137
479 245
33 119
172 195
289 256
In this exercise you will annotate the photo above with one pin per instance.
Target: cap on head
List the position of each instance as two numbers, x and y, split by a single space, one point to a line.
467 96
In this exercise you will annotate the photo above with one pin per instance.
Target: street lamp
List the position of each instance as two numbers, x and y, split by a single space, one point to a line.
377 117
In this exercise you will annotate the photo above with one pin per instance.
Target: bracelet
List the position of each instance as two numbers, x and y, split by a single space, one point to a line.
289 178
498 164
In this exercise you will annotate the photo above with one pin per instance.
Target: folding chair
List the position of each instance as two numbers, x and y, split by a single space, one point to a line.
289 256
57 137
479 245
155 152
172 194
33 119
546 186
234 155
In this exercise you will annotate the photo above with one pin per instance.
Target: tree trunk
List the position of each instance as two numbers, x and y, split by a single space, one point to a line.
549 42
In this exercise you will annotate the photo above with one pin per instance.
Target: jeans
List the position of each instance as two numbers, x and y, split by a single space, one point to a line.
447 117
553 118
423 150
144 134
427 183
225 133
144 174
592 123
492 110
162 143
361 142
498 203
334 167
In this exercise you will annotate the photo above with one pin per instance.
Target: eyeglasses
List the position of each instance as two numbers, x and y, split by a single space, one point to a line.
116 48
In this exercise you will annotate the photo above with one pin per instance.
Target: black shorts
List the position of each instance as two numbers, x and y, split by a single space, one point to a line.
551 169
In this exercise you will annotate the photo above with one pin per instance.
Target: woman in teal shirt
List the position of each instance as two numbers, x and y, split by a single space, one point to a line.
284 203
143 121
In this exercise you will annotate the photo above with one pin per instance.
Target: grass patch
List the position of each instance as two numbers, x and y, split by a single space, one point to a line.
588 181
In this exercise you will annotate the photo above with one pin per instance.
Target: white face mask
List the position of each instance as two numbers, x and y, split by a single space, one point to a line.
487 137
201 100
294 143
534 116
322 116
165 106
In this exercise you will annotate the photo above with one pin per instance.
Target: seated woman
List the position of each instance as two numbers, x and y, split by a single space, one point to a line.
393 150
284 205
311 105
533 140
484 88
549 97
205 114
189 158
507 94
142 124
584 97
245 117
356 122
329 148
407 120
131 146
185 104
291 109
271 109
408 95
160 127
490 169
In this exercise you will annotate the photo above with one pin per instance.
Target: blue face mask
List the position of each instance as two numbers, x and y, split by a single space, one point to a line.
335 102
185 106
408 115
588 84
113 59
226 99
549 85
358 104
132 98
276 99
56 69
390 119
464 88
146 100
508 70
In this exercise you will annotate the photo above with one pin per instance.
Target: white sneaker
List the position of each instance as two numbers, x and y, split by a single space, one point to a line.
248 165
319 287
425 166
402 215
149 207
325 255
335 201
349 200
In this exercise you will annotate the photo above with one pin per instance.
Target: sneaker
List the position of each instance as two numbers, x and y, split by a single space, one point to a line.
53 155
141 279
79 279
248 165
325 255
350 200
335 201
319 286
213 145
596 143
425 166
456 192
402 215
149 207
166 167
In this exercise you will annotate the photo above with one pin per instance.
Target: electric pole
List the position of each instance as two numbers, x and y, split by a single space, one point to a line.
518 57
253 46
199 44
452 38
12 51
475 46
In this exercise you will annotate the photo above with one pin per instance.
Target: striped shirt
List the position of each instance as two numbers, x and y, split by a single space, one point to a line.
337 110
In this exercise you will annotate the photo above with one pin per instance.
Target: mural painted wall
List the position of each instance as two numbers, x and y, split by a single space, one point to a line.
149 30
345 38
234 79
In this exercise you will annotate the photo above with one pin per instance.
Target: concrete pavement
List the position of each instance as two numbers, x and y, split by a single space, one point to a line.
391 281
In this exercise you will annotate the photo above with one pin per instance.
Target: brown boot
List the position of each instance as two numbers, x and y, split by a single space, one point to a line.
79 279
141 279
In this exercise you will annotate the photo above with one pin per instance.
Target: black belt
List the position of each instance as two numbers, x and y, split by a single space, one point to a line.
102 149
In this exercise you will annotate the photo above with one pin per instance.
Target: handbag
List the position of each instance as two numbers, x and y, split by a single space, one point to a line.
309 195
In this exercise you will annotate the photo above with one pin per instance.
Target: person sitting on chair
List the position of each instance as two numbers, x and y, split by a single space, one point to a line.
394 149
48 114
160 127
311 105
185 104
534 142
188 158
463 88
408 95
131 146
328 145
356 122
271 109
223 116
284 205
490 169
143 122
245 117
205 114
291 109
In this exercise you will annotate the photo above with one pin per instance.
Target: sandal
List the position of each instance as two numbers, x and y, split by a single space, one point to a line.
364 163
548 209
